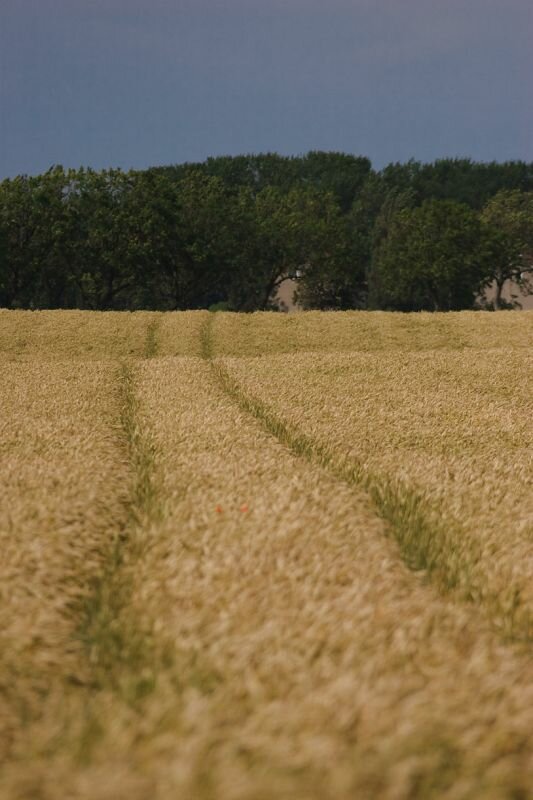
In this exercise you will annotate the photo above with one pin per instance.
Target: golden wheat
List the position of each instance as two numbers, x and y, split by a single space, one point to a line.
310 661
369 331
72 335
63 489
214 605
95 336
451 426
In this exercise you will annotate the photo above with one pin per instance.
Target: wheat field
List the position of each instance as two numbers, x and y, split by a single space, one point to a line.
266 556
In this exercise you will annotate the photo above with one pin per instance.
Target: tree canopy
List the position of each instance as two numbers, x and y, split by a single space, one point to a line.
509 215
435 257
227 232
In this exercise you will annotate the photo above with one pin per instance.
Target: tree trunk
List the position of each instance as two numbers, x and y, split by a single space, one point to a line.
497 303
273 283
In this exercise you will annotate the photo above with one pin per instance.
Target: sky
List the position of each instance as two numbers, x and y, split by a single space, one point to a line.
137 83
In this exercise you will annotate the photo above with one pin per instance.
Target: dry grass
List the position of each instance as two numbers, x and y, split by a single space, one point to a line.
240 624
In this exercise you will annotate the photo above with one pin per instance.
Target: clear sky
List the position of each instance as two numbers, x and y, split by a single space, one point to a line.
133 83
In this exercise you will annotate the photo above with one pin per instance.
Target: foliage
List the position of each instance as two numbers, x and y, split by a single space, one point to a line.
509 214
231 229
434 257
33 219
459 179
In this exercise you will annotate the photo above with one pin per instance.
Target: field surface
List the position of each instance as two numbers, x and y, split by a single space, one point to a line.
246 557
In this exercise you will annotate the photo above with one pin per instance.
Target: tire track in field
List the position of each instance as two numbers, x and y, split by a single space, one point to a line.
424 536
300 599
115 658
151 342
120 650
67 497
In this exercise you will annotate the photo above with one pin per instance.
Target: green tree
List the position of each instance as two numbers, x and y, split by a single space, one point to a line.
107 257
333 275
385 220
300 233
339 173
267 247
458 179
434 257
200 242
509 216
33 217
3 268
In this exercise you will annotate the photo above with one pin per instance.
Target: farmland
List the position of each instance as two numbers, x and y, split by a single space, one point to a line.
266 555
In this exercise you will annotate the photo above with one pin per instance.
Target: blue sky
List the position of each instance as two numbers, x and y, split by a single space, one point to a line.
133 83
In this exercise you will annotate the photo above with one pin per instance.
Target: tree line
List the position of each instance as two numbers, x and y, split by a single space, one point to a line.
227 232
